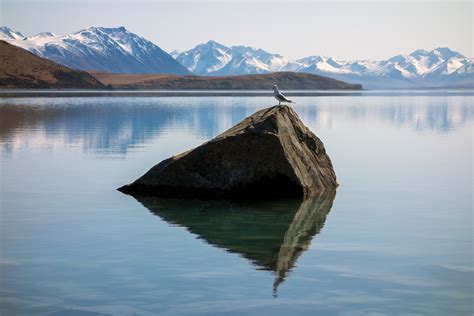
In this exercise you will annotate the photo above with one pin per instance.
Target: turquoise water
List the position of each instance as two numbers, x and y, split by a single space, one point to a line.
395 239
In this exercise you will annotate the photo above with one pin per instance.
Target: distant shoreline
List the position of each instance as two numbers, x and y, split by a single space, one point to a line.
9 93
285 80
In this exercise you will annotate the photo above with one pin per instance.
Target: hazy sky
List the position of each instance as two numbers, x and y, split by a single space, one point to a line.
348 30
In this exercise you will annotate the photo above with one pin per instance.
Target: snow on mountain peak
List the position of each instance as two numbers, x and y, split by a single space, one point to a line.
41 35
175 53
212 58
210 45
446 53
421 66
7 34
103 49
311 59
119 50
104 29
213 43
419 52
205 58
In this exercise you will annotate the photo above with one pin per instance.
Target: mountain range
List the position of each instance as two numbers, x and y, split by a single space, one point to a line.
440 67
117 50
22 69
113 50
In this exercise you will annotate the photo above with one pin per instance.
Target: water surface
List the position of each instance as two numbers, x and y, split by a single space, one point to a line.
395 239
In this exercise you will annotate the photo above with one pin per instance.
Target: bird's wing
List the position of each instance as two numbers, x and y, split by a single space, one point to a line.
281 97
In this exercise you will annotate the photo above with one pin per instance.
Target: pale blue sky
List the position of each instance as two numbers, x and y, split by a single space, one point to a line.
348 30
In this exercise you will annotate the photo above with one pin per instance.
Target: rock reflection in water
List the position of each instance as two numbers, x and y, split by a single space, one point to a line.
270 234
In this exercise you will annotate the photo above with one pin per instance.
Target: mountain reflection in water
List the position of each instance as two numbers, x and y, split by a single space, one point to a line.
116 125
270 234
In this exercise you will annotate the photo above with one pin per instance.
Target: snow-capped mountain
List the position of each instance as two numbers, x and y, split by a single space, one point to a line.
214 59
119 51
7 34
439 67
98 48
174 53
206 58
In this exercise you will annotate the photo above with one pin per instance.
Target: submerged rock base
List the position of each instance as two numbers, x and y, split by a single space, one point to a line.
270 153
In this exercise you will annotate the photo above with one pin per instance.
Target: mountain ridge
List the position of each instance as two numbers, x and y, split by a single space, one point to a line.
20 68
115 50
285 80
421 68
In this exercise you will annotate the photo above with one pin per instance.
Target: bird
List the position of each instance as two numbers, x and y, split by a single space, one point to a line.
279 96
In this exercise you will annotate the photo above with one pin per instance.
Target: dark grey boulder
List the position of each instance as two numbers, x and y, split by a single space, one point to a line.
270 153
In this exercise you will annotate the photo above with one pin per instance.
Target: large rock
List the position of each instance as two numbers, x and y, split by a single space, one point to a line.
270 153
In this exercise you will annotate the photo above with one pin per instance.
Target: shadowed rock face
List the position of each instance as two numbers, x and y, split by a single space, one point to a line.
270 153
270 234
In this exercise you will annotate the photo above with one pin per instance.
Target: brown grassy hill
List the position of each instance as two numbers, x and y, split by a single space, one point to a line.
21 69
284 80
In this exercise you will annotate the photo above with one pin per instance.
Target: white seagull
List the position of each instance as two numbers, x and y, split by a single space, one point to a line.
279 96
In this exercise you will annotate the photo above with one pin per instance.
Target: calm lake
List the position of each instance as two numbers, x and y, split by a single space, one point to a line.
395 239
